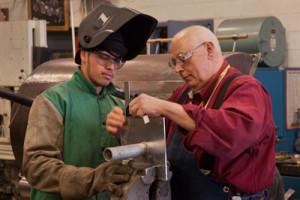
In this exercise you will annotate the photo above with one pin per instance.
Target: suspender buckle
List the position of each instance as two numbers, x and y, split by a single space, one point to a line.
206 172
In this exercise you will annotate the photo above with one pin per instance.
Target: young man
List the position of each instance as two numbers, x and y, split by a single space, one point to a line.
218 148
66 128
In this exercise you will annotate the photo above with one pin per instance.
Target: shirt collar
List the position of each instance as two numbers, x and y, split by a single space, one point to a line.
80 81
207 90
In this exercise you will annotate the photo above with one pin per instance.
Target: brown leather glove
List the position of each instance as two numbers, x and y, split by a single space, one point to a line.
83 182
109 174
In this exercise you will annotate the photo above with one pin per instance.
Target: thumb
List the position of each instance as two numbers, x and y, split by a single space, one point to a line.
114 189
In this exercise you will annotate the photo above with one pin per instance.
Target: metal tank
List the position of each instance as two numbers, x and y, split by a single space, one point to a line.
266 36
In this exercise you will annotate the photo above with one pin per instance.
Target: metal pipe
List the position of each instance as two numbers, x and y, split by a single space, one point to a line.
72 29
232 37
21 99
125 152
225 37
24 187
162 40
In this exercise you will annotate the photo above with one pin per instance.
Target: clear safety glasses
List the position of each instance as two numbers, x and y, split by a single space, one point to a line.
107 60
182 58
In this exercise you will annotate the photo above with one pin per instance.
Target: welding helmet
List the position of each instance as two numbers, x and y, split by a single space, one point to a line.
106 19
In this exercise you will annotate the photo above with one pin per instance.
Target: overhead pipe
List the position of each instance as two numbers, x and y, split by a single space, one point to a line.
225 37
21 99
234 37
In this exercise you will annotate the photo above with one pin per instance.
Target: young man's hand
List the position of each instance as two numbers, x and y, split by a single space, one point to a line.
116 122
110 174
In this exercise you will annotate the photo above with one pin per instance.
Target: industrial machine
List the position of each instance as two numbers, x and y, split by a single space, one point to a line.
18 39
266 36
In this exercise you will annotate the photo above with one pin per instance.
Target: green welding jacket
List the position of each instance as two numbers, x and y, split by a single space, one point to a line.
67 128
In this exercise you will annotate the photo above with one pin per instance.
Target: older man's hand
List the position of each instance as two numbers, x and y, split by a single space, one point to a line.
145 104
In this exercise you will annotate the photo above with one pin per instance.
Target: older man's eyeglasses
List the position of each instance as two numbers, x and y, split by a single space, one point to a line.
107 60
182 58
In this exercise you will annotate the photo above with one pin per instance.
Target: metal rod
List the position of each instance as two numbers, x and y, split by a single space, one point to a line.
127 96
27 101
24 187
125 152
225 37
162 40
72 29
232 37
234 46
157 47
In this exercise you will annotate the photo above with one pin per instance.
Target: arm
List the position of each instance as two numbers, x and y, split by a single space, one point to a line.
42 157
243 120
43 164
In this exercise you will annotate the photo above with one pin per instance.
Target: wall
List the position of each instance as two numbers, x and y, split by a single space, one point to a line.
288 12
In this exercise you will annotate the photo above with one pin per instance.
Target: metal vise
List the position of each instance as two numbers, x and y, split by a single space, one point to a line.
143 148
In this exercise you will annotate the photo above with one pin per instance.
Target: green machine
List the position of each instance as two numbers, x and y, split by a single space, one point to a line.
266 36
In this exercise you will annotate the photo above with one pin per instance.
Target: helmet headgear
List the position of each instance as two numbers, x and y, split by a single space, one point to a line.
121 30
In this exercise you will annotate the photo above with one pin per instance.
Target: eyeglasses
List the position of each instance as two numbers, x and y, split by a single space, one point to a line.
107 60
182 58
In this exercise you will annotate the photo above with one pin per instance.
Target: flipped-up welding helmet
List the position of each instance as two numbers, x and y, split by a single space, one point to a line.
134 27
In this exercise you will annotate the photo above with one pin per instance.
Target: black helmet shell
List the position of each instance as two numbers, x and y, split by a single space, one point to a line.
135 27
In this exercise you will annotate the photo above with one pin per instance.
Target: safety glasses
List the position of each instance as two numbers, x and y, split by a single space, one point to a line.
182 58
107 60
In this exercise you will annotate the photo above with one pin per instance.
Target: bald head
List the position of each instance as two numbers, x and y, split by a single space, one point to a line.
191 36
205 59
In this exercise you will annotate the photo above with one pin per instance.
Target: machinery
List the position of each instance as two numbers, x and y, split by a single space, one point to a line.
18 42
266 36
143 147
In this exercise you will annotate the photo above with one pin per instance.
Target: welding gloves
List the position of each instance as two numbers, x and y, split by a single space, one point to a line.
83 182
111 173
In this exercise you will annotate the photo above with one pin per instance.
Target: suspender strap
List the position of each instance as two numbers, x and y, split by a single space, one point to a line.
207 160
224 90
183 96
220 97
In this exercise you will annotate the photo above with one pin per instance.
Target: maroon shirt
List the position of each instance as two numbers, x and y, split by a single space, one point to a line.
241 134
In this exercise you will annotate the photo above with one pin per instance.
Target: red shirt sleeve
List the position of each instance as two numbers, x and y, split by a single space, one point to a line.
238 124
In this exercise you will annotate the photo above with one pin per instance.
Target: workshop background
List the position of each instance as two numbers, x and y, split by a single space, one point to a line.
273 30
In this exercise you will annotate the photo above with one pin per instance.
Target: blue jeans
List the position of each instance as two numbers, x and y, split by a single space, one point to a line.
258 196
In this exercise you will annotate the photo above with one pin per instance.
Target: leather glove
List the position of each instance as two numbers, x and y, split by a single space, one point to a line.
109 174
83 182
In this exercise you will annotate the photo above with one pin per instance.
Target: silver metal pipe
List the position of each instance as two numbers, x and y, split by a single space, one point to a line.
72 29
125 152
24 187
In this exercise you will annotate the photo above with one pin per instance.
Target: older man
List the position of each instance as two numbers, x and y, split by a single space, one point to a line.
221 133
